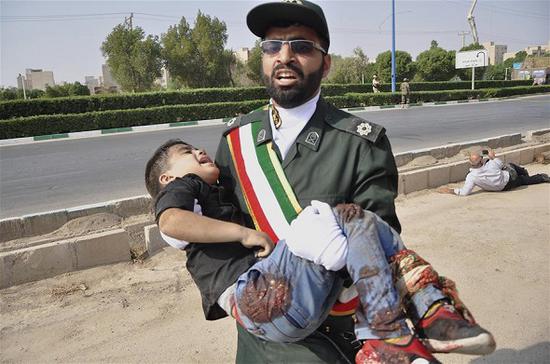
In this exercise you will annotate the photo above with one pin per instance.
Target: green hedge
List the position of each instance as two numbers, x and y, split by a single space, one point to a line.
458 85
84 104
388 98
54 124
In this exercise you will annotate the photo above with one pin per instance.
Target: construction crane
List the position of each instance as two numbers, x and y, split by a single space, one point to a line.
472 21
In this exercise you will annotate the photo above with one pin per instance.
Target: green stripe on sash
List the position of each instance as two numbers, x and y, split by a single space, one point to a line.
266 164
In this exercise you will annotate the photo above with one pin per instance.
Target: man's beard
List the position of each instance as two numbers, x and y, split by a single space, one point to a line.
297 94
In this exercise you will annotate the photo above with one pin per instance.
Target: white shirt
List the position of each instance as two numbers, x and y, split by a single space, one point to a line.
293 121
489 177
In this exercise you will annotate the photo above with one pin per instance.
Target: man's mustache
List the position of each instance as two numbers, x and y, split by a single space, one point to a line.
289 66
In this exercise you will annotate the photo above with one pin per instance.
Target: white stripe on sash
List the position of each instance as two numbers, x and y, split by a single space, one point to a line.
264 193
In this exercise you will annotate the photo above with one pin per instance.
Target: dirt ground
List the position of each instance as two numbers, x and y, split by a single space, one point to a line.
496 246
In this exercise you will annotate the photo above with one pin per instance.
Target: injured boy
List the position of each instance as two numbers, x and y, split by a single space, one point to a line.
277 294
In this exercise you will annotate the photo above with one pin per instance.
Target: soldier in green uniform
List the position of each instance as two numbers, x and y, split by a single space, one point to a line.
326 154
329 155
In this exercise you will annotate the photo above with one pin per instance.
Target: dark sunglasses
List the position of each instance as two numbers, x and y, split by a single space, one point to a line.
298 46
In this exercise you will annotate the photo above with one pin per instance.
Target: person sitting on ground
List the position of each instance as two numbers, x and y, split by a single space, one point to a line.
283 297
491 174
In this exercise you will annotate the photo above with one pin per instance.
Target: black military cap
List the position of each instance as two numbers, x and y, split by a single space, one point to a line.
300 11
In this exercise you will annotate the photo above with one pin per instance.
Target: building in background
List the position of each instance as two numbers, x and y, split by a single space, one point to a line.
109 84
538 50
35 79
242 54
92 83
495 52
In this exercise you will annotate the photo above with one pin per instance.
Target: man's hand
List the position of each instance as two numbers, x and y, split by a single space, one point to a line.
445 189
316 236
252 238
491 154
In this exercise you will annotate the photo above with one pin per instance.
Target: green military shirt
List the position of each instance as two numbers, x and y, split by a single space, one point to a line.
336 158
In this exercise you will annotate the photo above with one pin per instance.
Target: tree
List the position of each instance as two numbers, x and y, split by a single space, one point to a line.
435 64
404 66
68 89
354 69
254 64
495 72
196 57
134 60
465 74
12 93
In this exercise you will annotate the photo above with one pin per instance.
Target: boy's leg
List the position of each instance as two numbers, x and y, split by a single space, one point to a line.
424 291
285 298
380 321
380 234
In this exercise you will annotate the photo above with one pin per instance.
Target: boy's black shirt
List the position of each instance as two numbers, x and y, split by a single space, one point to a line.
213 266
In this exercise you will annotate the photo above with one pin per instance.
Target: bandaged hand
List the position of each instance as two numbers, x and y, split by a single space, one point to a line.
316 236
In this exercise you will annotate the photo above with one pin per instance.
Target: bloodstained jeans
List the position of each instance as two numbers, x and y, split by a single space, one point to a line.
285 298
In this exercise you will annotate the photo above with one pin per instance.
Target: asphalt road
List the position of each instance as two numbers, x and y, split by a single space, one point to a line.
60 174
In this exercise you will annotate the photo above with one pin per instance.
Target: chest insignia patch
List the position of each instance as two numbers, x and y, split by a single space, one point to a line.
312 138
261 136
364 129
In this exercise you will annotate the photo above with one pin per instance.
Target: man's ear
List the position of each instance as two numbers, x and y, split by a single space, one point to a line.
326 64
165 178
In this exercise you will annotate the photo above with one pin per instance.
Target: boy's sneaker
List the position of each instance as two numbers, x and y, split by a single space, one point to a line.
383 352
443 330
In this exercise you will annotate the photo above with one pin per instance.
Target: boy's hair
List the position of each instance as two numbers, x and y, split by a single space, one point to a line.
158 164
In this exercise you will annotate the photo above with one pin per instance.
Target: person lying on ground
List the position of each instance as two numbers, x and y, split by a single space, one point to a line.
491 174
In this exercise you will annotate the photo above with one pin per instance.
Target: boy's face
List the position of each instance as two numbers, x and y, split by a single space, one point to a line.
185 159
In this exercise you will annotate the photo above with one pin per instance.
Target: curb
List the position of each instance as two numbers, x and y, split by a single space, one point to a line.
47 260
219 121
104 132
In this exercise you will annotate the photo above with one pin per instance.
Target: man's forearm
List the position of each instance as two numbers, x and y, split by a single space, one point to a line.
189 226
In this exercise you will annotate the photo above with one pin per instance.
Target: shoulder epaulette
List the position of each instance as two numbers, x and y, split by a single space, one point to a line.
241 120
355 125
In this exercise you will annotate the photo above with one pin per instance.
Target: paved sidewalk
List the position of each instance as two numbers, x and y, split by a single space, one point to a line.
496 247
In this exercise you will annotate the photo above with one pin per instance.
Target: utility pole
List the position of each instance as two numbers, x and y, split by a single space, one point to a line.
463 34
472 22
128 21
393 76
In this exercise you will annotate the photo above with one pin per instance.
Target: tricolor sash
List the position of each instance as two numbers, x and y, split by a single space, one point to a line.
268 195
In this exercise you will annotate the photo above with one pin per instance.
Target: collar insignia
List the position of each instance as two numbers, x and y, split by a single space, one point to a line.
261 136
364 129
312 138
277 122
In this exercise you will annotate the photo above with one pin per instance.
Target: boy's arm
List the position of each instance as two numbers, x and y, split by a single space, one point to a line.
189 226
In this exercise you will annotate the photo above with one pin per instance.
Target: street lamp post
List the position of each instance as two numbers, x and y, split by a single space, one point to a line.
393 76
23 84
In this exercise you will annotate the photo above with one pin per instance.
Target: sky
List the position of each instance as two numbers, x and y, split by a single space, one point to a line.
65 36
